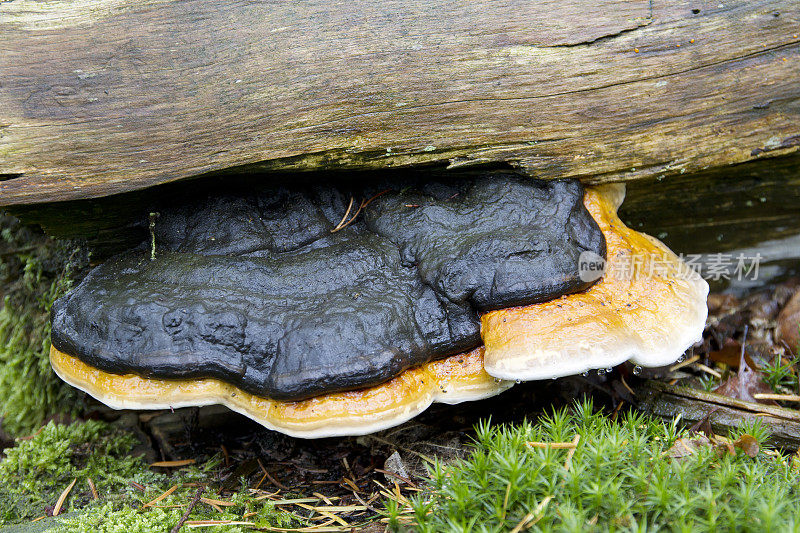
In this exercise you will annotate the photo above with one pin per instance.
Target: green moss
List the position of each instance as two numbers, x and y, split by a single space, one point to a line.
619 479
781 374
29 390
107 519
125 519
36 471
34 271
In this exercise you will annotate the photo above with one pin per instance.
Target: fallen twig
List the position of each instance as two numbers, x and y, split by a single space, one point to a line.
192 504
777 397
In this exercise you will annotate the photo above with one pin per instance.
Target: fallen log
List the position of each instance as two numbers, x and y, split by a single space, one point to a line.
743 208
106 96
723 413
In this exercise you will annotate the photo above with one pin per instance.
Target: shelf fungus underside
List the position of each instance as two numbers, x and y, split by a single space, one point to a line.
267 302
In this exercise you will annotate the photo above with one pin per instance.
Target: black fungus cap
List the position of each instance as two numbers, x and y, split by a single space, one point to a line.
258 291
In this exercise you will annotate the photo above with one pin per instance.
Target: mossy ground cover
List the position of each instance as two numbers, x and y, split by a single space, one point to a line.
628 472
34 271
623 475
120 491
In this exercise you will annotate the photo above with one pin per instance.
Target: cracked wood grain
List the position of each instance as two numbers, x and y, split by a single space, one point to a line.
99 97
723 413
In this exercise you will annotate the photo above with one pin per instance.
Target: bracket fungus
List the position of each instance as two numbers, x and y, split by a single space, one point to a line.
266 302
649 307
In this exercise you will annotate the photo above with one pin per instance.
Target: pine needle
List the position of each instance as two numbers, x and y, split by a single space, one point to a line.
214 523
341 223
270 478
553 445
571 452
221 503
536 513
174 464
92 488
63 497
326 514
708 370
164 495
682 364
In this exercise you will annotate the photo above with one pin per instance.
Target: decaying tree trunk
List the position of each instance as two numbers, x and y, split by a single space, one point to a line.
105 96
724 414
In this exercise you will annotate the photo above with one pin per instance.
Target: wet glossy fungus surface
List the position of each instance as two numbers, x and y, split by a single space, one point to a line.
255 289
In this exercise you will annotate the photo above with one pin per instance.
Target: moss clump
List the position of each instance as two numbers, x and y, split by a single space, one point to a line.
35 471
107 519
34 271
620 478
125 519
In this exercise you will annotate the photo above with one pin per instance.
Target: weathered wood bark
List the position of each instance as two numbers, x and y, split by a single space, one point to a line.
103 96
724 414
716 210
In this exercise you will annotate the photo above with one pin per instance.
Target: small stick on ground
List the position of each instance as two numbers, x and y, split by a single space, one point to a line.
270 478
708 370
682 364
777 397
192 504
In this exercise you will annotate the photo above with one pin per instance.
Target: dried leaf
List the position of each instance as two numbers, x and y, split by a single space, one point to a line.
748 444
704 425
685 446
788 330
719 303
745 383
729 354
723 446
